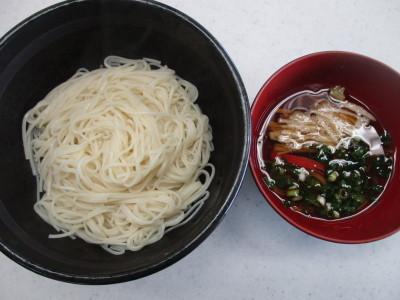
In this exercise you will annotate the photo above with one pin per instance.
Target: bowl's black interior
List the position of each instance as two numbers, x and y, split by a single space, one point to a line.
47 50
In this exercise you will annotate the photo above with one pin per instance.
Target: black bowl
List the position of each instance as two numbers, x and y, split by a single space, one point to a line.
45 50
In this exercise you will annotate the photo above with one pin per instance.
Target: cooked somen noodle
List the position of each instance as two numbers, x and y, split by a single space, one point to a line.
120 153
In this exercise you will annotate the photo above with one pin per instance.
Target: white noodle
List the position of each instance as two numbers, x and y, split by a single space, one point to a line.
120 153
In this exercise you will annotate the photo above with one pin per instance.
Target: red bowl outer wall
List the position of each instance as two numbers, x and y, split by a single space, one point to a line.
378 87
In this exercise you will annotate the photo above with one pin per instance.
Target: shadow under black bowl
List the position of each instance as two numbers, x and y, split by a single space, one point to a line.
45 50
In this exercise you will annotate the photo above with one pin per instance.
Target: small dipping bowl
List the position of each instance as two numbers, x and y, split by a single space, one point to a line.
377 86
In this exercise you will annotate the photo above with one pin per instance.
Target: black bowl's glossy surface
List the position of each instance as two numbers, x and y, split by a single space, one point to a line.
47 49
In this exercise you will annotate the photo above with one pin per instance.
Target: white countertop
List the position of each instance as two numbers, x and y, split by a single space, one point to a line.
254 254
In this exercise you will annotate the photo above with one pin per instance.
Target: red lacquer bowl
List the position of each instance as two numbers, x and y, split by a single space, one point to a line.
378 87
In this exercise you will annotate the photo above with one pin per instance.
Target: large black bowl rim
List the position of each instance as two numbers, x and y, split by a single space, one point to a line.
131 275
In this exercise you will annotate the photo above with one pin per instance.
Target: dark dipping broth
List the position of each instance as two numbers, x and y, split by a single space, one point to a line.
324 154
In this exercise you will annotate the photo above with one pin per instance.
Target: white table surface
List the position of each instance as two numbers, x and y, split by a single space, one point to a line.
254 254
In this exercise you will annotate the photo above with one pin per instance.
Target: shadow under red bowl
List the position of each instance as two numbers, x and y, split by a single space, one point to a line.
378 87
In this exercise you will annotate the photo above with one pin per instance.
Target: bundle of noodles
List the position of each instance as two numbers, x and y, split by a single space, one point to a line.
326 122
120 153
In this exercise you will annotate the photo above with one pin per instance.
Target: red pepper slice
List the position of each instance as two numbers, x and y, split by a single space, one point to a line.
302 161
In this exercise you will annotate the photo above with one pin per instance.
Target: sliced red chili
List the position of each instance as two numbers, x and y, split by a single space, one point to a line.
302 161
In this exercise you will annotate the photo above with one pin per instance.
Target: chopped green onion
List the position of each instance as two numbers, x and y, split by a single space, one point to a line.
321 199
269 181
358 197
347 182
293 193
333 176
